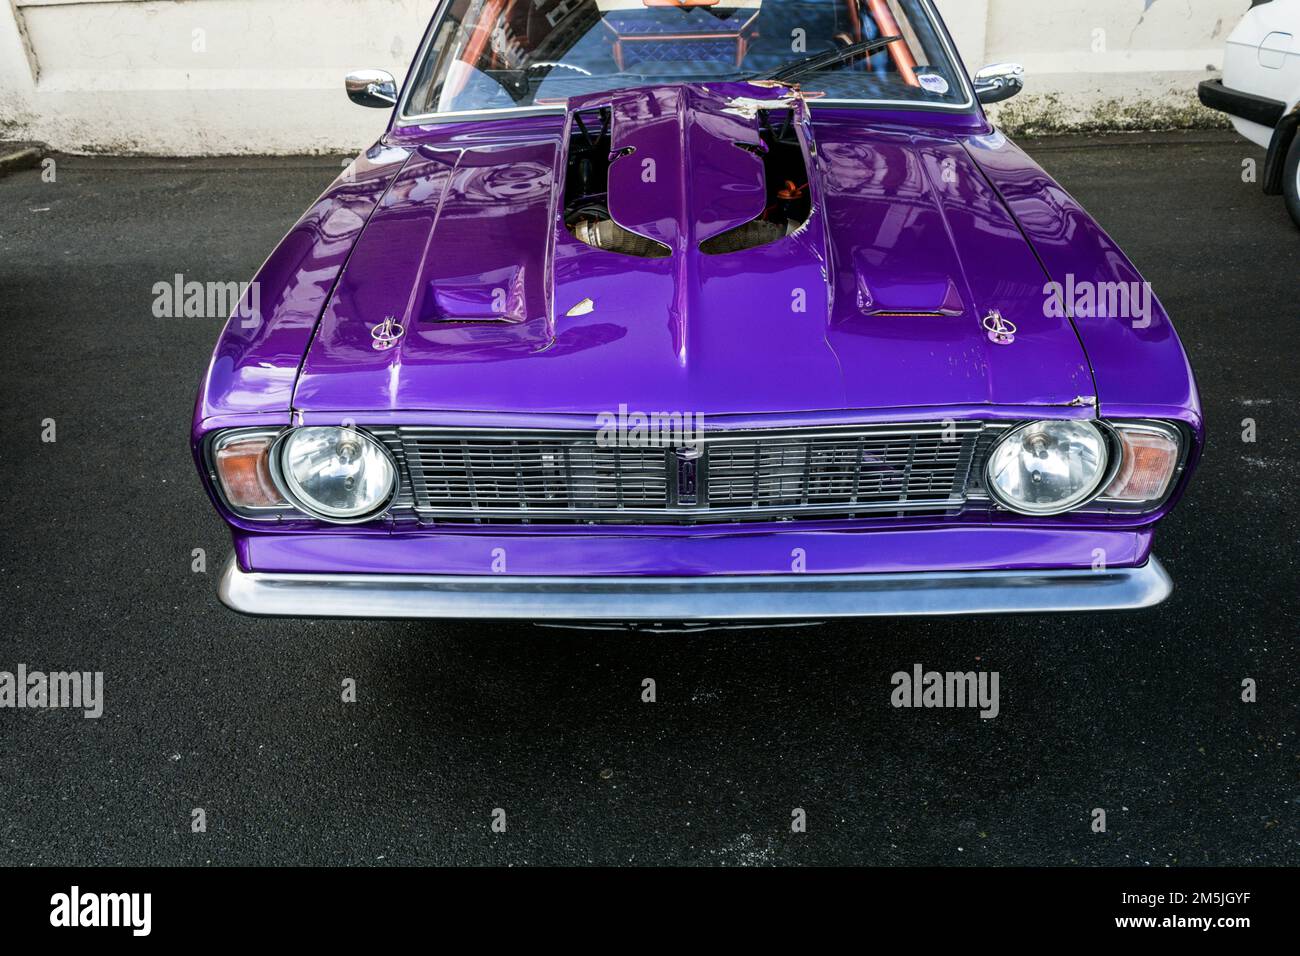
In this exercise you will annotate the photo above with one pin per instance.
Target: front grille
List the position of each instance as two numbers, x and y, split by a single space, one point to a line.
500 476
472 474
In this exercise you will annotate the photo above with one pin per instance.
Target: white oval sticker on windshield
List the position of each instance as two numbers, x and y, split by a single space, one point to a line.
933 83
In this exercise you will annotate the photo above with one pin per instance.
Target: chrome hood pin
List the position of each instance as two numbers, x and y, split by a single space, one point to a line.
386 334
1001 332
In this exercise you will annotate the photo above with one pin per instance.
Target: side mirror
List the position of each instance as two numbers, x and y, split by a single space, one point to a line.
999 82
372 88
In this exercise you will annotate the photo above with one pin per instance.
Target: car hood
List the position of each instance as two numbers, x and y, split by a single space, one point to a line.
878 301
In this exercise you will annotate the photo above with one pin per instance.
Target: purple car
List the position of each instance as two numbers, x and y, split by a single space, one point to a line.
694 311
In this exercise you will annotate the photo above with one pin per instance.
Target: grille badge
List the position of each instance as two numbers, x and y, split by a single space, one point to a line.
688 475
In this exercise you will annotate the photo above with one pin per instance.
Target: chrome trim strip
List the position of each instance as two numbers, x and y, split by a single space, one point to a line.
474 116
712 599
699 514
960 427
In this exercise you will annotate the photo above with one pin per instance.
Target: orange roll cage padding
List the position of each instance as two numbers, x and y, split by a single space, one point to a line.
477 41
899 51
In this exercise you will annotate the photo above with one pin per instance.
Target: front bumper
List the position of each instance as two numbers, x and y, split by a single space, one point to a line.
713 599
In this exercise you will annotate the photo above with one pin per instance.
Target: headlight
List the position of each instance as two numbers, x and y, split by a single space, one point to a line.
1047 468
335 474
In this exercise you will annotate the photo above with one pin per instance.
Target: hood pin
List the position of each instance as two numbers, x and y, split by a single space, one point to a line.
386 334
1001 332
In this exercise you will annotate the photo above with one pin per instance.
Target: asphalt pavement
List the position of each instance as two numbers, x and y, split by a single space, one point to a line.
1139 714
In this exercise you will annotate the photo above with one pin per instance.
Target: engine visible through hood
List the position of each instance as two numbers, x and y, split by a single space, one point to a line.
586 189
591 155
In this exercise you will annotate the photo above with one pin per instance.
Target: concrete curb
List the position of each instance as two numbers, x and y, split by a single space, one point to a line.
13 158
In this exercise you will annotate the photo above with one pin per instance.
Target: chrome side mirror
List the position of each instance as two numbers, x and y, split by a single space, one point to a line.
999 82
375 88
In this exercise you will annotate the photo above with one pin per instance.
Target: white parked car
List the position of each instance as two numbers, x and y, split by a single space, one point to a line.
1260 90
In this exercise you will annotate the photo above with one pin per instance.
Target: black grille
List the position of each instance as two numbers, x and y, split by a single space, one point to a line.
548 476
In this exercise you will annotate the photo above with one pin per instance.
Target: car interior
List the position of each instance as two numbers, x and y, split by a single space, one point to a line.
496 54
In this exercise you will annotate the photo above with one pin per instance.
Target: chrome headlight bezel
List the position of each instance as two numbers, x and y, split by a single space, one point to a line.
302 502
1081 499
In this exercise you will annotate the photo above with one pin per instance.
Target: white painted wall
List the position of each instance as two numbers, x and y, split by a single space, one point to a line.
195 77
1099 64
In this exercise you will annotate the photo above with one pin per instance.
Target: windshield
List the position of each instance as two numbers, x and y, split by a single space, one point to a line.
508 54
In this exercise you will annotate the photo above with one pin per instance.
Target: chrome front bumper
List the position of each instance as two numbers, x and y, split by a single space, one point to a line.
795 597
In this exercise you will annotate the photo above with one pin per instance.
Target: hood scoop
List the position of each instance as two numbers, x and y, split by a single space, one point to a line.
652 173
785 177
586 188
497 295
917 296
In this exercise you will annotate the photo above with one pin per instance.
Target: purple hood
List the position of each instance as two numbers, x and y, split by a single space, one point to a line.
876 302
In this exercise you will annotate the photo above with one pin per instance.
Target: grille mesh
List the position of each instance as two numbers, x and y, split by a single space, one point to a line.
478 473
741 476
797 473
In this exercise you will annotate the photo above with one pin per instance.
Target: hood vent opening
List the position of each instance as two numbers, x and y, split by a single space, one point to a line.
586 190
789 203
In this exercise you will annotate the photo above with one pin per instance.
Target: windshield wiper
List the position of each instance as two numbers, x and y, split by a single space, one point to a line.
819 61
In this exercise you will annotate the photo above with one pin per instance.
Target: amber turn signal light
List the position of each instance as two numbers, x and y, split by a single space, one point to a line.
243 468
1150 459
